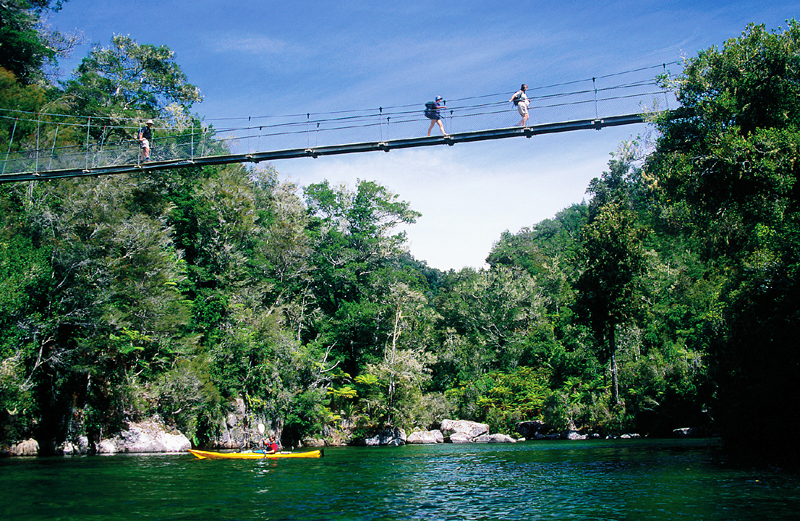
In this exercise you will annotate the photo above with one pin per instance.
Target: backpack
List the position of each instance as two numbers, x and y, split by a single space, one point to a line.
430 109
517 99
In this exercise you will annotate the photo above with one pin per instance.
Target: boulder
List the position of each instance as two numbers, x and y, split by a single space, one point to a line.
494 438
147 436
685 432
425 437
469 428
25 448
573 435
75 447
531 429
235 433
312 442
460 437
393 437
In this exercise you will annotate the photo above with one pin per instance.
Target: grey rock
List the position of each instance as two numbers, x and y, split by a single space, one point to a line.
147 436
460 437
425 437
494 438
531 429
392 437
28 447
469 428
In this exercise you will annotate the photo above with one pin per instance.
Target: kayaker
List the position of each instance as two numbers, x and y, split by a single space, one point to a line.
270 447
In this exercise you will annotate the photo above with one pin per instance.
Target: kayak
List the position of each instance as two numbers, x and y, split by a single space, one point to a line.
255 454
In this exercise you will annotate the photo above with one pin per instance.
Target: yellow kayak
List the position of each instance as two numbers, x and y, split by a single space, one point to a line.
204 454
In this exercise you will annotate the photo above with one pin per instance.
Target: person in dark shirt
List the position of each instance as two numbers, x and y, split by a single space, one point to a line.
145 138
432 112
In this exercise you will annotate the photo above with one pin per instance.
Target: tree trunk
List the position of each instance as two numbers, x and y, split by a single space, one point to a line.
395 335
612 344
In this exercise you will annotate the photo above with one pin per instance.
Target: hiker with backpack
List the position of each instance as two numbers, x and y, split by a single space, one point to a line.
520 100
432 109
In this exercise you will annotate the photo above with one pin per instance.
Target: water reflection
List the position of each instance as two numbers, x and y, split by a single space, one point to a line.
630 479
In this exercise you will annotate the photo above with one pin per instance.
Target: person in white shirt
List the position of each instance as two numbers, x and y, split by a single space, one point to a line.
520 99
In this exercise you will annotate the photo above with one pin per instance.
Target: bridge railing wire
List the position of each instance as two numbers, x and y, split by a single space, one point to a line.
70 142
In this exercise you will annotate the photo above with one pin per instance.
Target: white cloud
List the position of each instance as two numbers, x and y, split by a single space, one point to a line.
469 194
255 45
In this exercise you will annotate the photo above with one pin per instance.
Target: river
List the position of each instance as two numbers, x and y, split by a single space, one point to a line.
591 480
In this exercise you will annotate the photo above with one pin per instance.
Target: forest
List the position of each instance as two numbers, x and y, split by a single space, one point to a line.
670 298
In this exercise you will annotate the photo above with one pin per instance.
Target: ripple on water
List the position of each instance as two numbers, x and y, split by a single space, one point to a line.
547 480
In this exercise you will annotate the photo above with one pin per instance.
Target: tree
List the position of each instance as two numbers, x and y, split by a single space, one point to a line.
24 273
24 46
285 252
19 131
351 235
613 262
404 369
726 170
492 320
533 248
128 80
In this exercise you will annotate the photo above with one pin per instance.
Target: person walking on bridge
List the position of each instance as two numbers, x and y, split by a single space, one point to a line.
145 137
520 100
432 109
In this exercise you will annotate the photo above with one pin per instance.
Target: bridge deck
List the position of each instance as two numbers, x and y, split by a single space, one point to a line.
372 146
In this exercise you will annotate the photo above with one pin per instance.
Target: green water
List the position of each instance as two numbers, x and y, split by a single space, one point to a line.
621 479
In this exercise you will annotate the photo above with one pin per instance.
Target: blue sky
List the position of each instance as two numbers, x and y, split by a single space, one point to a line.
256 58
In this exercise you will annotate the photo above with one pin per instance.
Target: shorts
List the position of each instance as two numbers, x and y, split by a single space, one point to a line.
144 143
522 107
433 114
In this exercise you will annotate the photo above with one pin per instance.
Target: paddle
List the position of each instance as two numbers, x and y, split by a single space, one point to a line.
261 430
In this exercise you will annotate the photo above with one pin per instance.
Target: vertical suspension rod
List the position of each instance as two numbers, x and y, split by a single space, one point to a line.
88 125
13 131
53 150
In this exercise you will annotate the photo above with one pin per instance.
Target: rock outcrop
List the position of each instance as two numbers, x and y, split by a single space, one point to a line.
312 442
494 438
75 447
463 430
684 432
425 437
391 437
531 430
148 436
459 431
25 448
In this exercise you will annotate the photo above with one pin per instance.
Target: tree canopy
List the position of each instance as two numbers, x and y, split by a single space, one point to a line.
667 300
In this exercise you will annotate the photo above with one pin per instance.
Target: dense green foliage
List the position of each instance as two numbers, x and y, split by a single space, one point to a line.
28 48
668 300
726 171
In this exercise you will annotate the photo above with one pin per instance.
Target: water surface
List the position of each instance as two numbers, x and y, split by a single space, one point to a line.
619 479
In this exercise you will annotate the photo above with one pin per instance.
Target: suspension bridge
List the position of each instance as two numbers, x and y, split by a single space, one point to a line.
108 147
